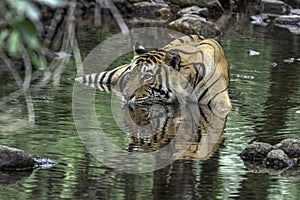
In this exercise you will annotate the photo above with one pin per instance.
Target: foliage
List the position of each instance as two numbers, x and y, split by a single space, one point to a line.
21 28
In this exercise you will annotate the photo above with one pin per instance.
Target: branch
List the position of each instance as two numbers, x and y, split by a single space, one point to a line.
117 15
23 86
67 44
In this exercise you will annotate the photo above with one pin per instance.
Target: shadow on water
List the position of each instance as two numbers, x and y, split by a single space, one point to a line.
8 178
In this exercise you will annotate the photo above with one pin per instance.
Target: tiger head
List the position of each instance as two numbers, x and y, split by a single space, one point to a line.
146 80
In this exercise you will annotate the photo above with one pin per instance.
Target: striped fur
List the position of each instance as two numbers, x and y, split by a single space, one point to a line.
188 65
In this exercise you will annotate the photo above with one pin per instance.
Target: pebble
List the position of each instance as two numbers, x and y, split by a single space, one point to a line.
253 53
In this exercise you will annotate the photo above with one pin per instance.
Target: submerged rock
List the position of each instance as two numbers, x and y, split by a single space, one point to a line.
256 151
282 156
13 159
290 146
278 160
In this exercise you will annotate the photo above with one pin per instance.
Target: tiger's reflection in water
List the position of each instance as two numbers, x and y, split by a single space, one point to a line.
152 127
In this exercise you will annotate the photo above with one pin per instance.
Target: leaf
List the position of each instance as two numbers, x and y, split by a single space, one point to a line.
53 3
13 42
3 35
25 8
29 35
38 61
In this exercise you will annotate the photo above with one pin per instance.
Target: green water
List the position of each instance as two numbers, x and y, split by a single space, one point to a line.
265 102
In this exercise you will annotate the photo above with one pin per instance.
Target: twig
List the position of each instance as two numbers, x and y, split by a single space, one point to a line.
77 57
57 17
117 15
98 13
26 85
67 43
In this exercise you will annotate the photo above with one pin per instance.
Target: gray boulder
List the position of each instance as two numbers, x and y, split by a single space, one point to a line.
278 160
12 159
291 147
192 24
15 159
274 7
194 10
256 151
201 3
151 10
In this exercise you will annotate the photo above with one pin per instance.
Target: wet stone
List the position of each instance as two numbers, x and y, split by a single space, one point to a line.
278 159
274 7
262 19
15 159
201 3
195 10
191 24
291 147
286 21
256 151
12 159
150 9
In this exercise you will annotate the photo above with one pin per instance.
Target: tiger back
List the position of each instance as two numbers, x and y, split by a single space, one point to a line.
188 65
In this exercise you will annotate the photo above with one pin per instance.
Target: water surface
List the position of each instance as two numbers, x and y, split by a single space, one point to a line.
265 95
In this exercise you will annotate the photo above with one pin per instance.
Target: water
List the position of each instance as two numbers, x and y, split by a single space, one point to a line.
265 101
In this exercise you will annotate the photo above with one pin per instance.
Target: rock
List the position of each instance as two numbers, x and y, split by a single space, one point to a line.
274 7
151 10
262 19
293 3
148 13
281 159
253 53
191 24
285 21
256 151
135 1
290 22
195 10
214 7
201 3
15 159
291 147
278 159
144 22
138 1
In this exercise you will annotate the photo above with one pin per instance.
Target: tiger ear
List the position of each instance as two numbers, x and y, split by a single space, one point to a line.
138 49
173 59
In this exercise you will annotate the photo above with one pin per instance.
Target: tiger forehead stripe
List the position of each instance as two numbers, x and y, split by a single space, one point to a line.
153 57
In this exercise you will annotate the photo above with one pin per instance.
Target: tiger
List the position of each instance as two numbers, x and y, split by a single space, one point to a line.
190 68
